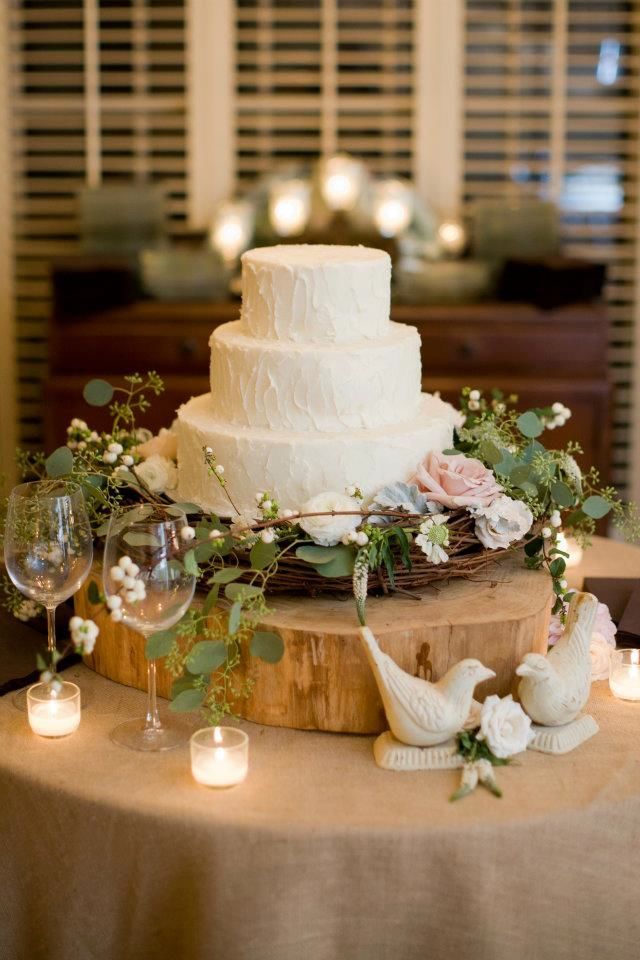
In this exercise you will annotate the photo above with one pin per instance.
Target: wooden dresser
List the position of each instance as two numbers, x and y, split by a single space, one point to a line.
542 356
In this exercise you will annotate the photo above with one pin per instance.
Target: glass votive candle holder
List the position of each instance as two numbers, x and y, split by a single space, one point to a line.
219 756
53 712
624 674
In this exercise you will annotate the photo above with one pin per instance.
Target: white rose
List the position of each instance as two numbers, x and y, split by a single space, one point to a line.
600 651
502 522
505 726
327 531
158 473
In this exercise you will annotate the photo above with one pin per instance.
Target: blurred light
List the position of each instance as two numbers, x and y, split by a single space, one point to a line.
342 180
289 207
393 207
232 229
608 62
452 237
569 545
594 188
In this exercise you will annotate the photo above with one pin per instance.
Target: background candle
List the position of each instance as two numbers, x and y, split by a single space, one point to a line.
289 207
624 674
219 756
52 712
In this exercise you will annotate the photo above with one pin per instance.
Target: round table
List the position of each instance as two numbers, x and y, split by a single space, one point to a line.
109 854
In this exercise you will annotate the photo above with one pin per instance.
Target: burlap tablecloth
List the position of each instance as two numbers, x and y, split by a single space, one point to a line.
112 855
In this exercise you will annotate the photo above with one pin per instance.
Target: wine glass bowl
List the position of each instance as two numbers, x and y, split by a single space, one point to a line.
147 588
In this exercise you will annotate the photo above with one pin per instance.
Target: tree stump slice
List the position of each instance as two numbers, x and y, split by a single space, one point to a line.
324 682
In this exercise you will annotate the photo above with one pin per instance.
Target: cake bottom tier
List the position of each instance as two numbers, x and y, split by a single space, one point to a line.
296 466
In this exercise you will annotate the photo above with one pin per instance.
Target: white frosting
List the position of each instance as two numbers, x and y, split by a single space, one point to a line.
328 388
315 293
296 466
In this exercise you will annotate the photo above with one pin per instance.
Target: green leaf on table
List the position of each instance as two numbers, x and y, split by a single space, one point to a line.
317 555
557 567
140 538
529 424
187 700
159 644
206 656
596 507
533 546
226 575
262 555
234 617
341 566
98 393
93 593
562 494
59 463
241 591
211 599
266 645
490 453
190 564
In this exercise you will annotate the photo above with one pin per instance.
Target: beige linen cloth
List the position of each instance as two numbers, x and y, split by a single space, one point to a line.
112 855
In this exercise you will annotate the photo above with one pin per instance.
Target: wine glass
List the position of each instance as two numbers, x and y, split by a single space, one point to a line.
145 580
48 548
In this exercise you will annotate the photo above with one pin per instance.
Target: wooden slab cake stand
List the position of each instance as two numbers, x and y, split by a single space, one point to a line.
324 682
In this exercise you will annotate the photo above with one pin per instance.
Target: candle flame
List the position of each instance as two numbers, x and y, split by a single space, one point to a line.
217 734
635 656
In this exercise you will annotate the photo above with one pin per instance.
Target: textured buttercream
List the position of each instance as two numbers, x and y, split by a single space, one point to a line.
315 293
321 387
296 466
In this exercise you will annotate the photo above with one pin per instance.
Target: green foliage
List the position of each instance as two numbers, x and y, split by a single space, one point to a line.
60 463
267 645
159 644
206 656
187 700
98 393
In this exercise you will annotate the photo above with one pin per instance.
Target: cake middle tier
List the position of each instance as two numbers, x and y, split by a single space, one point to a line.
329 388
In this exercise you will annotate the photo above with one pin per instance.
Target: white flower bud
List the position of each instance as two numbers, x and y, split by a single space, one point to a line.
134 570
268 536
267 504
474 405
116 615
129 582
128 460
287 514
474 395
116 448
187 533
114 602
208 451
362 539
555 519
564 584
258 497
546 532
116 574
140 590
75 623
82 444
550 425
131 596
219 469
125 562
109 457
557 407
215 534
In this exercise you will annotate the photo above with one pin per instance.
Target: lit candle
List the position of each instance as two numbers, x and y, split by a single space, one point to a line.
570 546
624 674
51 712
342 182
289 207
452 237
393 209
232 228
219 756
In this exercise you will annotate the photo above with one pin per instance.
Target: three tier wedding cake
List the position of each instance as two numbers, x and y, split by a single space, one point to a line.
314 388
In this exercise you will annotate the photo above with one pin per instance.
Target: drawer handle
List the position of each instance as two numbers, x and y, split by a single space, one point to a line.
188 347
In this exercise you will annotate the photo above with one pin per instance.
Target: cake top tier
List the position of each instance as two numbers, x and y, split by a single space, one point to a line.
315 293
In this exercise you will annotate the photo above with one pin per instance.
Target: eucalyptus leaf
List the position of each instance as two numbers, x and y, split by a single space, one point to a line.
529 424
340 566
531 449
596 507
98 393
139 538
529 488
490 453
226 575
206 656
177 509
234 617
266 645
182 683
262 555
506 465
317 555
521 473
190 564
187 700
59 463
93 593
159 644
562 494
211 599
241 591
123 520
204 552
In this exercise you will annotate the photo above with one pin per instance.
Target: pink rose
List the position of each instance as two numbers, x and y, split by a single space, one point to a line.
456 481
164 445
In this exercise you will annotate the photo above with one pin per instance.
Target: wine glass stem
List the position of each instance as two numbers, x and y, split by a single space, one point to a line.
152 719
51 636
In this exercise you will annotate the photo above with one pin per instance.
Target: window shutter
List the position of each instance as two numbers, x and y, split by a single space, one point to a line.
551 109
320 76
98 96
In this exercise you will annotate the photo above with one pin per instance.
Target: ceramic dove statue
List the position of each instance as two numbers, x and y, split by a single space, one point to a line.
420 713
554 689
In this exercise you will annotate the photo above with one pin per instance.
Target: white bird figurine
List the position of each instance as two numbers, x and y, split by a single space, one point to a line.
420 713
555 688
